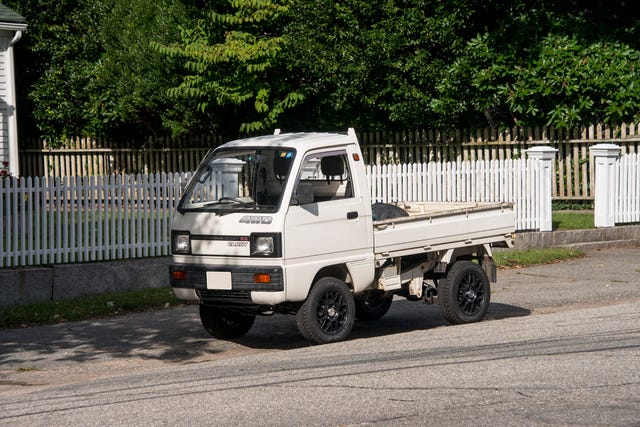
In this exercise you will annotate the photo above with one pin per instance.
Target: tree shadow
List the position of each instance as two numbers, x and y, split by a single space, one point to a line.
176 335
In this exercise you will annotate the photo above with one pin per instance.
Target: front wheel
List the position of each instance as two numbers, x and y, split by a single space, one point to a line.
464 295
328 314
223 323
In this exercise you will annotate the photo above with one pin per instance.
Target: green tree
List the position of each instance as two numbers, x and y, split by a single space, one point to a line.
546 63
128 94
334 51
234 65
87 68
55 62
378 64
144 67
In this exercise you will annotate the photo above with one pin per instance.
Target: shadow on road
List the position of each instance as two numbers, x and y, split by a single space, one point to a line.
404 316
177 336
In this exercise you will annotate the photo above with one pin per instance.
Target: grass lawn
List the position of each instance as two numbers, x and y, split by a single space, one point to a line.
88 307
572 220
531 257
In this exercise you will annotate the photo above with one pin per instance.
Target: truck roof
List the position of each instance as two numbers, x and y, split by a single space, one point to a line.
303 141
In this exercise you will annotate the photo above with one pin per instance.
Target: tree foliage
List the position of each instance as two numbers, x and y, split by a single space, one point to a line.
544 63
121 68
55 61
373 64
427 63
234 63
128 91
87 68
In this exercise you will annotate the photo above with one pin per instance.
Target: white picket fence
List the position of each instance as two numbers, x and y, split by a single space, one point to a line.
80 219
627 209
518 181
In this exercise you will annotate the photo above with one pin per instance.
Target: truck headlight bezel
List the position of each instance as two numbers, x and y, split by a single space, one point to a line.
180 242
268 245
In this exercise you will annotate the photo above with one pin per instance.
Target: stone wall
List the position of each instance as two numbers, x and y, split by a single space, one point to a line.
53 283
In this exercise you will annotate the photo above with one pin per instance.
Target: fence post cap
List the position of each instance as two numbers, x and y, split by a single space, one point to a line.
543 152
605 150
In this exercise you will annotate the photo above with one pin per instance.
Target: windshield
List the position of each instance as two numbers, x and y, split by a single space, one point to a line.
238 181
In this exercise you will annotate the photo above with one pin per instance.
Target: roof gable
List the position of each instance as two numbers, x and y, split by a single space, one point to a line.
10 17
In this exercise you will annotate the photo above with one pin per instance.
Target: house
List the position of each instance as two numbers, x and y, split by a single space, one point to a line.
11 27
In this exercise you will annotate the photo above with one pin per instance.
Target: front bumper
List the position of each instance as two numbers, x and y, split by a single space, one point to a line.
245 281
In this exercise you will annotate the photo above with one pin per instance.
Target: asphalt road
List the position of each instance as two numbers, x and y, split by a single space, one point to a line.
560 346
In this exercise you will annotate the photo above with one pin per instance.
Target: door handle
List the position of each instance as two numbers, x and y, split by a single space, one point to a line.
352 215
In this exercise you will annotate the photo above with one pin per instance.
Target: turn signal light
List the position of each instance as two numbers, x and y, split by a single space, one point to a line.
179 275
261 278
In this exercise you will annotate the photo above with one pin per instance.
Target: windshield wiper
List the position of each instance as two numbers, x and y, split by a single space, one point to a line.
231 203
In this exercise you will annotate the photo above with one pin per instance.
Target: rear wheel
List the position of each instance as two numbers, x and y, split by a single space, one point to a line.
373 305
223 323
464 295
328 314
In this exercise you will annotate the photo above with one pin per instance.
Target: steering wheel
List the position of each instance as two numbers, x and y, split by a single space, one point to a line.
230 199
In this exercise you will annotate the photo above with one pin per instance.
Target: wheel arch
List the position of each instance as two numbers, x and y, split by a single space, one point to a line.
339 271
482 253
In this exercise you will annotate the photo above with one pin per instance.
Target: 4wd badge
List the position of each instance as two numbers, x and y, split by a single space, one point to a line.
255 219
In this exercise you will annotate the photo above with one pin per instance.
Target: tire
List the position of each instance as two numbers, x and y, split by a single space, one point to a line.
223 323
328 314
372 305
465 294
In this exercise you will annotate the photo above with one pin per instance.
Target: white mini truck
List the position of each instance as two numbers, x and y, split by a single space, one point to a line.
285 224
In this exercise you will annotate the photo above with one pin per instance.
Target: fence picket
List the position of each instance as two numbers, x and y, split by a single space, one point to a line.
628 188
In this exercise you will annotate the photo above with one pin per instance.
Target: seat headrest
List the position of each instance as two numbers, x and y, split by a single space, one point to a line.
332 166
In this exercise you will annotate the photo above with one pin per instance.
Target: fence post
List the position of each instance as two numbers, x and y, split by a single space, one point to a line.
544 184
229 170
605 156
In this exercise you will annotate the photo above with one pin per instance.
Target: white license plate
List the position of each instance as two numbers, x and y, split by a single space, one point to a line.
219 280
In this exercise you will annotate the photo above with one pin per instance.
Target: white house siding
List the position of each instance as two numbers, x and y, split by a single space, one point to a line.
5 38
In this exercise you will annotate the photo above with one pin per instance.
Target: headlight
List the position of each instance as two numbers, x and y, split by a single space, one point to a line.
180 242
263 246
267 245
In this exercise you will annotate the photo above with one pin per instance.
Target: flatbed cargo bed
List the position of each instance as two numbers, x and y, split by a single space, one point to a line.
441 226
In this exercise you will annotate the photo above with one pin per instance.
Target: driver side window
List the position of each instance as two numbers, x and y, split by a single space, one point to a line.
324 177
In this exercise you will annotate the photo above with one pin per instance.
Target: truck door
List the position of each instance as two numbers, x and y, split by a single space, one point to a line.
326 222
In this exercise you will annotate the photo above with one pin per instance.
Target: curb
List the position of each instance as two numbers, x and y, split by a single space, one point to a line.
622 236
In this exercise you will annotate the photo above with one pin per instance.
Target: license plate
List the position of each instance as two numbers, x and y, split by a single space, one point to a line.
219 280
